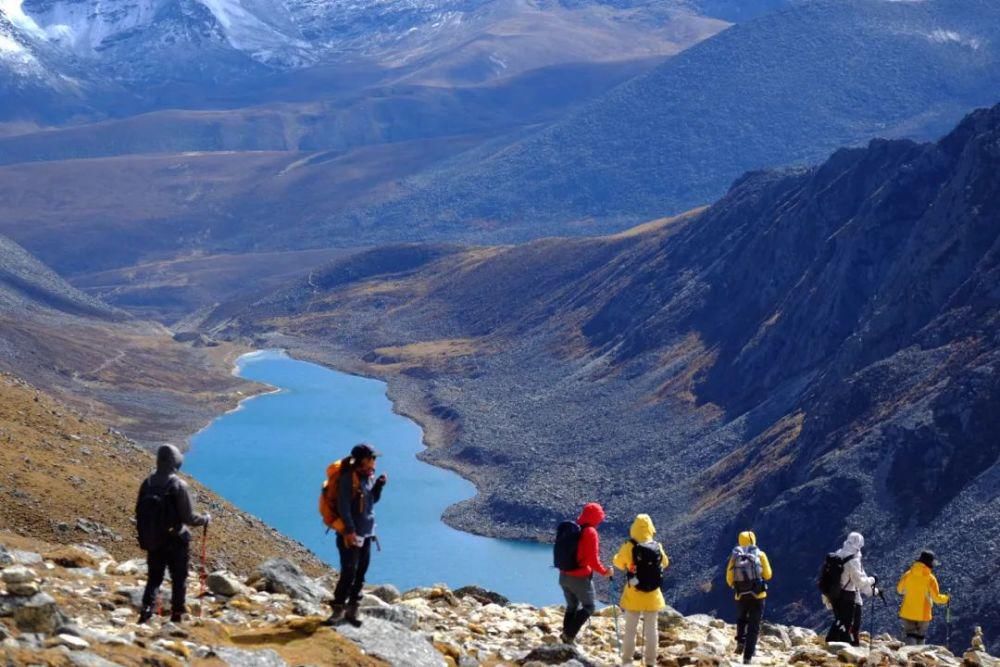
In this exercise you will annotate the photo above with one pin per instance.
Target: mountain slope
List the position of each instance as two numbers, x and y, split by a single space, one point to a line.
787 87
125 371
815 353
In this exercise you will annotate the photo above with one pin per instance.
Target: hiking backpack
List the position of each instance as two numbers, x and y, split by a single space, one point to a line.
648 575
153 515
567 541
830 575
747 571
328 506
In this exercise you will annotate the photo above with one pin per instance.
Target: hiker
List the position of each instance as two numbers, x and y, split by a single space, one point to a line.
920 591
852 584
577 555
746 573
643 560
163 513
350 510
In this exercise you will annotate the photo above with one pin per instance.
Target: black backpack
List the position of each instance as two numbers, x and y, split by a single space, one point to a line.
154 515
567 541
830 575
648 575
748 578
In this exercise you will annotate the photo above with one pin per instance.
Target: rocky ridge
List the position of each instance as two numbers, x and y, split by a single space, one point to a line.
77 606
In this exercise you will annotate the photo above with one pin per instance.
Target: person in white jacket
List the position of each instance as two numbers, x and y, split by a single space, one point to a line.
854 583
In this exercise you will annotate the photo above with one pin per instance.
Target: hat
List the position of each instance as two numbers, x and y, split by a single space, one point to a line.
928 558
364 451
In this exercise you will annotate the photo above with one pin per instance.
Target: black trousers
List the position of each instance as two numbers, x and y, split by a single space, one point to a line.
751 612
174 555
353 568
846 621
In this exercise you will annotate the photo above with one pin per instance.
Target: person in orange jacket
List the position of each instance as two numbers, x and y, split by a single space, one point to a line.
747 572
920 591
643 560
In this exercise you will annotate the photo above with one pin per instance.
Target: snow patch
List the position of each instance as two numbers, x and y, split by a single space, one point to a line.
246 32
941 36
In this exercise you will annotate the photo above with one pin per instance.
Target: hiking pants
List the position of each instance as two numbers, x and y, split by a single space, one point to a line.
580 602
650 636
914 632
174 555
353 568
847 621
751 610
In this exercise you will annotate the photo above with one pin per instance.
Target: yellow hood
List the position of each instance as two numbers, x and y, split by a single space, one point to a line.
747 538
642 529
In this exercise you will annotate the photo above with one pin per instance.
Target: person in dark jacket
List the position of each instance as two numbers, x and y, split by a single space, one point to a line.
578 584
357 494
174 553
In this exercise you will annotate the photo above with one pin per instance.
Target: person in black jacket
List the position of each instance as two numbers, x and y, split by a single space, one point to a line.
173 549
357 494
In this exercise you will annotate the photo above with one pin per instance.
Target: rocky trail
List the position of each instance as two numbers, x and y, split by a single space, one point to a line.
75 605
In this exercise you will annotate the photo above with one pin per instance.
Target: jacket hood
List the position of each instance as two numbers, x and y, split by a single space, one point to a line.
642 529
921 570
168 459
592 515
747 537
853 543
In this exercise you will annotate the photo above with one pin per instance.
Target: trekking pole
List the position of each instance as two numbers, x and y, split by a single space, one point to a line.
203 577
947 625
614 603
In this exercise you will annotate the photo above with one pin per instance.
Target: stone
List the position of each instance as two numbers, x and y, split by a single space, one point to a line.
557 654
26 557
6 558
482 595
852 654
71 642
393 644
386 593
133 566
223 583
25 590
398 614
130 594
368 600
38 614
17 574
979 659
280 575
71 557
241 658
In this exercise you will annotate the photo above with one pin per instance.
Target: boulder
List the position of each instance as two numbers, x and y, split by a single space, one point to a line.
18 574
6 558
482 595
25 590
853 654
26 557
386 592
979 659
280 575
398 614
223 583
83 659
393 644
71 557
38 614
70 642
134 566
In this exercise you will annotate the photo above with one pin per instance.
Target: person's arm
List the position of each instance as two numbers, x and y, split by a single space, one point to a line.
901 586
623 559
138 500
589 552
765 567
345 499
377 488
664 559
936 594
730 577
185 508
862 582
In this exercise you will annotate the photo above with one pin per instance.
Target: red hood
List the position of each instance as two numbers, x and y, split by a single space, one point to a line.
592 515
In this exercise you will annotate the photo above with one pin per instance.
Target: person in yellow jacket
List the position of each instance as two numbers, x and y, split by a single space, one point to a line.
920 591
747 572
643 560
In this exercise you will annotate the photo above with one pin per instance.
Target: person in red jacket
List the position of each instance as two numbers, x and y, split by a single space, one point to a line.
578 584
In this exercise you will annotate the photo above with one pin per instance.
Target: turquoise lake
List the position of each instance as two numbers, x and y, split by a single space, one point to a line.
269 457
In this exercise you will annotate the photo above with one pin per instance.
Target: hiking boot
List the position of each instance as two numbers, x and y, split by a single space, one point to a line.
739 648
145 614
565 639
337 615
177 617
351 615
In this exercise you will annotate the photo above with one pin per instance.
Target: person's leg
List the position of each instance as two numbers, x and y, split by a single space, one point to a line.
364 558
572 605
349 557
628 640
583 590
179 559
156 565
742 614
754 617
650 636
856 625
843 610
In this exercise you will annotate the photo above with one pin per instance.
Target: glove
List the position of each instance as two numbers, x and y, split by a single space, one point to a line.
875 591
947 598
208 519
351 540
382 479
